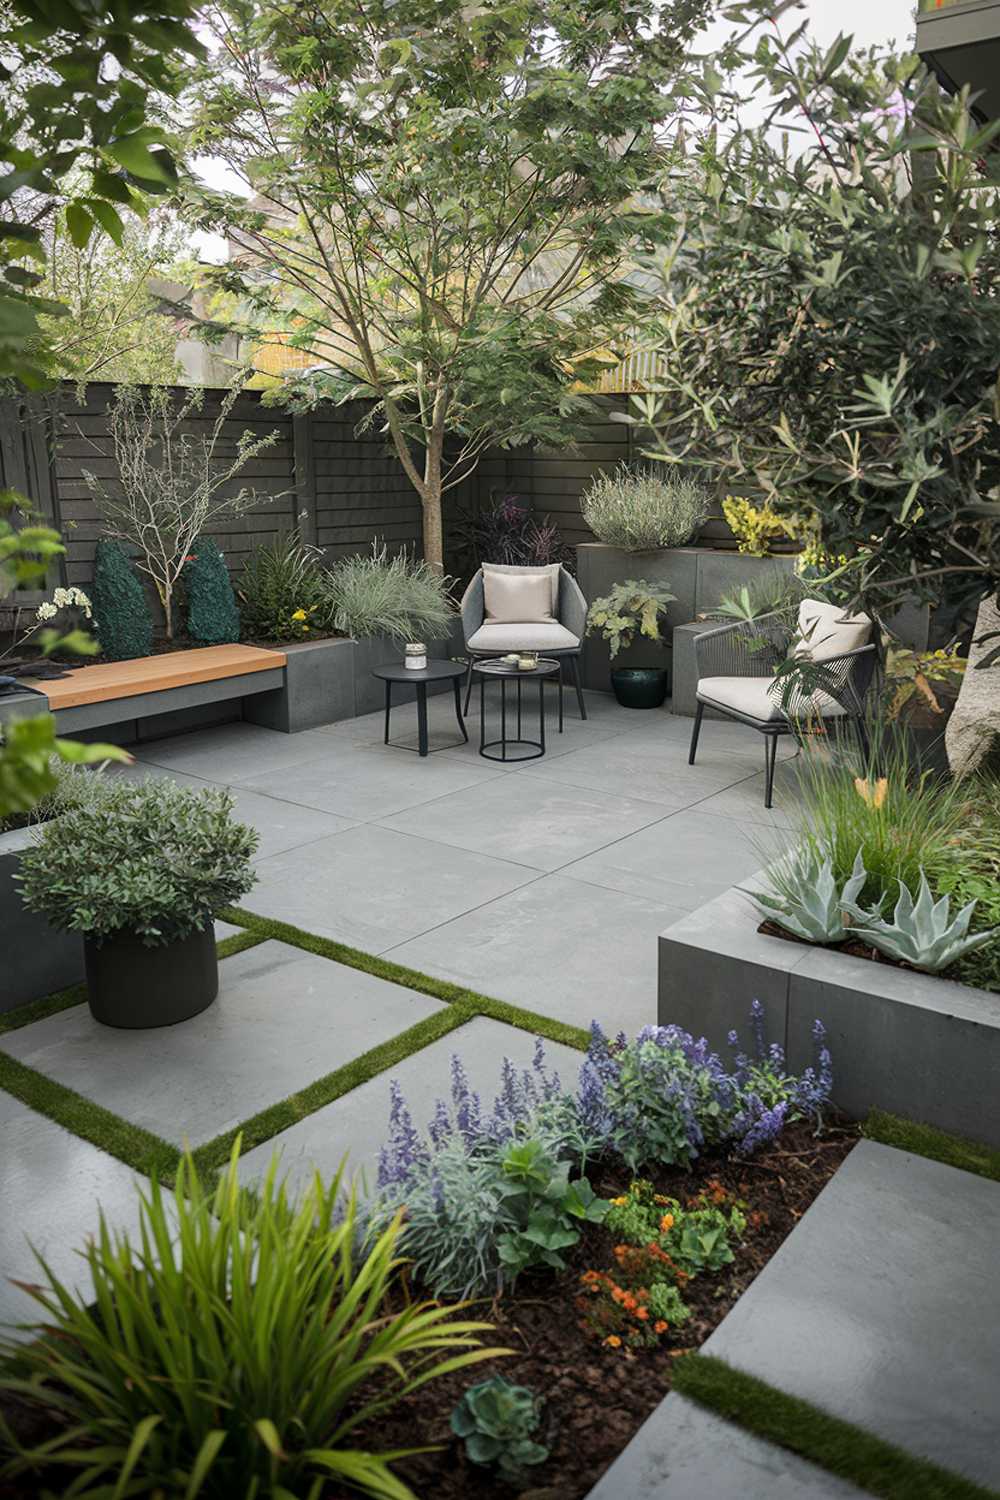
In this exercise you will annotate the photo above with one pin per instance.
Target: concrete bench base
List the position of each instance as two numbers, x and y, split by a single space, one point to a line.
917 1045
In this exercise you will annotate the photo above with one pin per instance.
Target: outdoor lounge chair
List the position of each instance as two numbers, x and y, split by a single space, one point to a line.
735 677
557 629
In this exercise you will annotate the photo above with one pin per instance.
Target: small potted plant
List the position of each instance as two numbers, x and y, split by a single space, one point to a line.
140 871
633 608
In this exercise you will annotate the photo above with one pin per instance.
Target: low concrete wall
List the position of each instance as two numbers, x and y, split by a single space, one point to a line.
35 959
917 1045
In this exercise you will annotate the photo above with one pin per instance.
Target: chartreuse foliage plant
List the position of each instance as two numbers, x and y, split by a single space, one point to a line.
232 1347
632 608
212 616
148 858
496 1421
453 261
124 623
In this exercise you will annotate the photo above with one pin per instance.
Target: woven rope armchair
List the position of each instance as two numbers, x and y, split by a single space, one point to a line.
736 665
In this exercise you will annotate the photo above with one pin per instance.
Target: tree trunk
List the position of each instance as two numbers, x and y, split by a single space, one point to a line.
433 530
973 733
168 613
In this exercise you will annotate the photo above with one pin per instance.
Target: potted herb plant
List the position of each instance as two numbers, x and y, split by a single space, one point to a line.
140 872
633 608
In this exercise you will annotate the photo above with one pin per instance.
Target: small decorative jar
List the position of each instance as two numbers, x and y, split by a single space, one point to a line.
528 661
416 656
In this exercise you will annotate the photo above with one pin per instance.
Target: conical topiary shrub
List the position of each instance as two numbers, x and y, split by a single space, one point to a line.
123 622
212 615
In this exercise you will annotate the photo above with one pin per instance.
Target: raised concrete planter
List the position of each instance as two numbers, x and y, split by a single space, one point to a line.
914 1044
318 688
36 959
699 576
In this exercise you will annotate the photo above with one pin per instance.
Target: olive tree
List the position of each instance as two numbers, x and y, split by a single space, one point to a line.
442 202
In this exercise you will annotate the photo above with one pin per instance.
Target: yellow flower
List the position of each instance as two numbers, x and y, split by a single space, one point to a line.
873 796
299 614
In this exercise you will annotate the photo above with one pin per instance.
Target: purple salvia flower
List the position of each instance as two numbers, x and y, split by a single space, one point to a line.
441 1126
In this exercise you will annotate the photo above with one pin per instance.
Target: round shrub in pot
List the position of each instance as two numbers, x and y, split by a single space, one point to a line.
140 871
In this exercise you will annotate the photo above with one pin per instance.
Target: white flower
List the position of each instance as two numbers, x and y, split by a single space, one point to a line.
46 612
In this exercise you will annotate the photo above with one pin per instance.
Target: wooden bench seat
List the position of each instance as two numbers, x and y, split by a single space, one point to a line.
117 691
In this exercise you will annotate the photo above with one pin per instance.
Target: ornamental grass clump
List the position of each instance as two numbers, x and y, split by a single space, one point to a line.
150 858
642 509
402 597
233 1347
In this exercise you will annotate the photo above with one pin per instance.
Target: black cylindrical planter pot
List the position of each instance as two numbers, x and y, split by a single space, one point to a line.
132 985
639 687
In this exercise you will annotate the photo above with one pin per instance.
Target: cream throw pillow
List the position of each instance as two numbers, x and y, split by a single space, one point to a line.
517 599
824 631
550 571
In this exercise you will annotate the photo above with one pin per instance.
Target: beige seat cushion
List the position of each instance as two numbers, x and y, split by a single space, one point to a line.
517 598
824 630
540 636
760 698
551 571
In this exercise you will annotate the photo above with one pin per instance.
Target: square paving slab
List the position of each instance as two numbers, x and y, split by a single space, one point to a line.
558 946
683 1452
283 1018
882 1308
232 752
374 888
531 821
51 1185
356 1125
649 766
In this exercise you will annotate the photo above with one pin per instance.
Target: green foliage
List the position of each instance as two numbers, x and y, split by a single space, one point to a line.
280 583
773 594
805 898
696 1237
923 932
920 686
975 876
633 607
666 1304
401 596
755 527
496 1421
232 1348
29 753
473 269
642 509
544 1208
212 616
828 314
150 858
124 623
74 135
926 1140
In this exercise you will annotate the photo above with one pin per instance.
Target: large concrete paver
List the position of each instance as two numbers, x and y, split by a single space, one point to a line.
651 767
683 1452
374 888
355 1126
558 946
52 1186
882 1308
232 752
283 1018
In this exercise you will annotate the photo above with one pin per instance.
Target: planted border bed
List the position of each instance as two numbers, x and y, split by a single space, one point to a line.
914 1044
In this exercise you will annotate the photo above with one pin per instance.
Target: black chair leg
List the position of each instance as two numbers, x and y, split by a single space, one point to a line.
770 754
574 666
696 730
468 686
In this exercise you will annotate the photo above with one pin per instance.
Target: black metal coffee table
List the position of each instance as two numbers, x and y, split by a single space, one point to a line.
506 673
435 671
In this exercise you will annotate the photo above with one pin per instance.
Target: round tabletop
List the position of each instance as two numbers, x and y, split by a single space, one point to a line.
545 668
435 671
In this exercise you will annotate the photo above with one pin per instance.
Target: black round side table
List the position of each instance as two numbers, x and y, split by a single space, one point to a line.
435 671
505 673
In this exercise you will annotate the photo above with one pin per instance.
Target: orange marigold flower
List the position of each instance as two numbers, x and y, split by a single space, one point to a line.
613 1341
642 1313
617 1295
660 1326
666 1223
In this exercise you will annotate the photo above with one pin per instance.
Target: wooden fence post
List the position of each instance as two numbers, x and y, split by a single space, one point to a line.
305 477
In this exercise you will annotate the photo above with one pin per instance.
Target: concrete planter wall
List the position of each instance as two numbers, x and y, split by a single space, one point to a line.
699 576
914 1044
36 959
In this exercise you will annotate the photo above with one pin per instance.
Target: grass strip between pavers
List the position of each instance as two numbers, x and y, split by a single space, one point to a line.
131 1144
852 1453
928 1140
411 979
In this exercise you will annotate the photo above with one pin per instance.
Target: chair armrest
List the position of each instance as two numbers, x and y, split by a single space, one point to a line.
473 606
572 605
742 649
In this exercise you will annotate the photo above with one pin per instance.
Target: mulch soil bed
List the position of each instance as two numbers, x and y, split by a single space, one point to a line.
597 1398
853 946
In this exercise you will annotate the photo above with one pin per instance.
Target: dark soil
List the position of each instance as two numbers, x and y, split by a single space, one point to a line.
853 946
595 1398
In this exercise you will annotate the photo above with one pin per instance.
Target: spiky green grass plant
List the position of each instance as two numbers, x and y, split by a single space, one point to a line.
375 594
232 1349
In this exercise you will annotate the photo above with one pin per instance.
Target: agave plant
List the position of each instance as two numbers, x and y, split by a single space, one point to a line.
922 932
806 899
